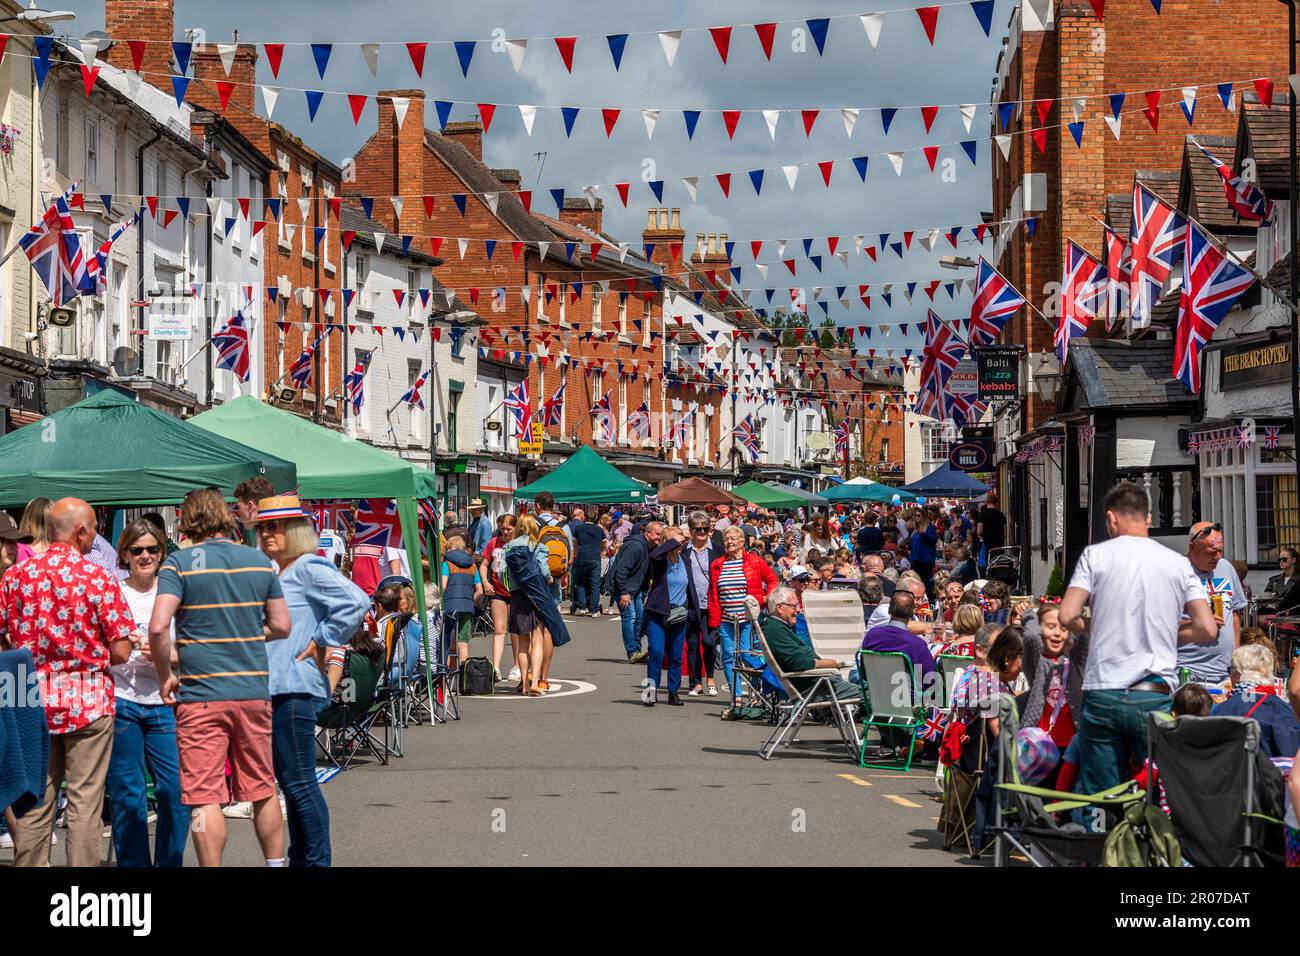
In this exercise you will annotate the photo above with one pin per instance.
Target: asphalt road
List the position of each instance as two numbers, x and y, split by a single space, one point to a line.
590 776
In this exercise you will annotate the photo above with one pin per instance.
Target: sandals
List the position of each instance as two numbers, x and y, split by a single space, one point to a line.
543 685
523 684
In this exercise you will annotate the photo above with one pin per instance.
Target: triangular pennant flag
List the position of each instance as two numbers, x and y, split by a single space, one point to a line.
969 145
321 54
772 116
371 53
1039 136
730 119
791 174
860 164
692 119
929 21
1264 88
443 109
670 40
181 51
358 103
570 114
617 42
968 115
887 117
850 117
871 23
809 118
650 117
417 52
88 76
692 184
179 85
516 49
896 160
465 54
657 187
1005 112
931 154
1004 145
1044 108
528 114
314 98
818 28
1152 111
269 97
724 183
137 48
722 40
1114 123
756 177
766 34
1116 103
485 112
983 10
1225 95
1076 130
1188 105
826 166
274 54
565 46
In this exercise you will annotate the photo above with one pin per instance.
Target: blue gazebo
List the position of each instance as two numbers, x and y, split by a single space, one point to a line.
947 482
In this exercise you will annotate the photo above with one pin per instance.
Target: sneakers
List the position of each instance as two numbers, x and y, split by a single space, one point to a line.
712 690
640 657
514 673
237 811
694 691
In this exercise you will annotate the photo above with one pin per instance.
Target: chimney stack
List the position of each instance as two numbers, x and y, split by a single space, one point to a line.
209 70
407 152
577 212
469 134
663 229
153 21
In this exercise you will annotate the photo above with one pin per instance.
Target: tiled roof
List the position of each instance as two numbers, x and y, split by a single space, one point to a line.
1268 130
479 179
352 219
1122 373
608 256
1119 212
1200 190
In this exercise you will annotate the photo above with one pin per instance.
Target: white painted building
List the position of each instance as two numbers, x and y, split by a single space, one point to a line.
20 158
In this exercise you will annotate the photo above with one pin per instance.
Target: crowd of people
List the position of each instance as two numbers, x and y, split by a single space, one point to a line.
191 676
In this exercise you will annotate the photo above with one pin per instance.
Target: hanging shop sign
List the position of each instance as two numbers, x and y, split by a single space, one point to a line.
998 369
1267 363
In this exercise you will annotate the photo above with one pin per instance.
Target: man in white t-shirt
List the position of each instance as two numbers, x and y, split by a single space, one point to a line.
1138 592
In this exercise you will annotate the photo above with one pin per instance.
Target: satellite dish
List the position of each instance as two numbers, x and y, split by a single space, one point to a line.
126 362
103 40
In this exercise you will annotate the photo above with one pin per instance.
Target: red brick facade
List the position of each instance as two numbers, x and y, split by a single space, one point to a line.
1133 51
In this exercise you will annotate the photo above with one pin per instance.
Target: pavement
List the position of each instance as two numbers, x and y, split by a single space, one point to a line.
590 776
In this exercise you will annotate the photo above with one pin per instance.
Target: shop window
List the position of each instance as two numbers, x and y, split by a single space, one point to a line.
1275 507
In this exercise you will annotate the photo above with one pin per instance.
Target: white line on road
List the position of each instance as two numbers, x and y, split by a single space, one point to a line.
579 687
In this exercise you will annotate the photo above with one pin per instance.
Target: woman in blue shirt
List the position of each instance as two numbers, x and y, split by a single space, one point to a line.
326 609
670 604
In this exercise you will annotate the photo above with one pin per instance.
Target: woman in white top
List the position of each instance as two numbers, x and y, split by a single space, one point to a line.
144 730
819 536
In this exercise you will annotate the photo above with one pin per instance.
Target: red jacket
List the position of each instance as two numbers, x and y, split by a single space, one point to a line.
760 581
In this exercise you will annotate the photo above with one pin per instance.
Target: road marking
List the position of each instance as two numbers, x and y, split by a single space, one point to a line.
579 687
901 801
854 778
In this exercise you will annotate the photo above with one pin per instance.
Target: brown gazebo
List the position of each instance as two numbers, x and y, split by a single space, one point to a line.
697 493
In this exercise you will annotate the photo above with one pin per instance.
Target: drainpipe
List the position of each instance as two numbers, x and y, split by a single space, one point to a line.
139 241
321 385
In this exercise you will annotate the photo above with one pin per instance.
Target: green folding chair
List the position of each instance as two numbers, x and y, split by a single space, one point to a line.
883 674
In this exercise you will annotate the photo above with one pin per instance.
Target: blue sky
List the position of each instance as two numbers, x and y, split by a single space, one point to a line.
905 71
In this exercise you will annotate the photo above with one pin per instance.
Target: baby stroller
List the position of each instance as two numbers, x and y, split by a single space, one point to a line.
1004 566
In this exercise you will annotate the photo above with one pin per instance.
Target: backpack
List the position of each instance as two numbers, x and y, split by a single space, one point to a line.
556 543
477 678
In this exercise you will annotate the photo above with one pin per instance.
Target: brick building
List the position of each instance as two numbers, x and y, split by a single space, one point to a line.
303 269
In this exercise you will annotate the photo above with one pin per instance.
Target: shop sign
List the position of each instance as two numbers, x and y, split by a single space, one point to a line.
1268 363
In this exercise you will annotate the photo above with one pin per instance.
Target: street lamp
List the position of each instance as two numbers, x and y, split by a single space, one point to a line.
956 262
34 14
1045 373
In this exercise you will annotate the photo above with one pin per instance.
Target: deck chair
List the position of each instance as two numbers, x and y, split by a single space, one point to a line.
791 713
1210 771
883 673
347 726
951 666
1024 816
835 624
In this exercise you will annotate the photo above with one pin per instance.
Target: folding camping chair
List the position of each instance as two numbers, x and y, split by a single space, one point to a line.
819 698
835 624
951 667
347 726
1023 816
392 691
1209 771
883 673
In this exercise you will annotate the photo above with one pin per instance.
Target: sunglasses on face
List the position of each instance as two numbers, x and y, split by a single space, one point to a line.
270 527
1206 532
144 549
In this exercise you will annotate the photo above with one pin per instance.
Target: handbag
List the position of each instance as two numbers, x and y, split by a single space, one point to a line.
676 615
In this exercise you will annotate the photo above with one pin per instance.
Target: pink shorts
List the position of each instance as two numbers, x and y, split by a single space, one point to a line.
210 732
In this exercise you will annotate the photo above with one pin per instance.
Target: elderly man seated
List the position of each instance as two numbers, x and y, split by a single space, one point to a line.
1255 695
875 609
792 654
895 637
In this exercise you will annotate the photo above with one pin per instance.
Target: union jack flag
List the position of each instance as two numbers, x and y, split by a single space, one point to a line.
961 409
1244 437
1212 282
995 303
681 429
1083 295
330 515
1245 199
412 395
54 251
97 265
603 414
517 402
943 350
355 385
428 513
1119 270
1272 436
639 421
1155 246
750 440
300 370
552 409
378 523
231 343
842 432
936 721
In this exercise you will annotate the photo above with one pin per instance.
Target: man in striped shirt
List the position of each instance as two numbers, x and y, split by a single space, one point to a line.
226 602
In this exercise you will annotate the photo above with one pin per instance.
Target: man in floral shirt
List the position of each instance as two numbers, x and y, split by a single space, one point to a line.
71 615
